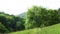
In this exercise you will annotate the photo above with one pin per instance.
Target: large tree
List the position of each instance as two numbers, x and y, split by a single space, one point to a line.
40 17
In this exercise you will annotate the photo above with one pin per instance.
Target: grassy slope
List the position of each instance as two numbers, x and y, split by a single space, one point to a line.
54 29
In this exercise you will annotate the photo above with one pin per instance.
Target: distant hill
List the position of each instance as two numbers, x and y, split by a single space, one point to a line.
22 15
54 29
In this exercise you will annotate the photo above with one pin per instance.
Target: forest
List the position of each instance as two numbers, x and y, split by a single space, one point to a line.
36 17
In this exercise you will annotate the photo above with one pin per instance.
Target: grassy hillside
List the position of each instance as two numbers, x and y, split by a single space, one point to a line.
54 29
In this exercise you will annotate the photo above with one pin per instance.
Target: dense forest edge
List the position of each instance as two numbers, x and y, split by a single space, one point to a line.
35 17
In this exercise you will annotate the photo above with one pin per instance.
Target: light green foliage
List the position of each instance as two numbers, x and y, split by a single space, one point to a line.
33 17
40 17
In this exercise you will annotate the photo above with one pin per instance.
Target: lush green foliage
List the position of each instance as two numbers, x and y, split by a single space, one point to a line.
9 23
40 17
36 17
3 28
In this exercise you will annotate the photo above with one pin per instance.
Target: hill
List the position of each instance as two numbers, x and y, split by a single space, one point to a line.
54 29
22 15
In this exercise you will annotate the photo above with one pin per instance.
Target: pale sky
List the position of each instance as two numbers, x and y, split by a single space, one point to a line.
16 7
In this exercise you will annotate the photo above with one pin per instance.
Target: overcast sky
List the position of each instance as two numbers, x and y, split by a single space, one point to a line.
19 6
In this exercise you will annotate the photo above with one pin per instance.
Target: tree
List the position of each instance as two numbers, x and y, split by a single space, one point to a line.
34 16
40 17
11 22
3 28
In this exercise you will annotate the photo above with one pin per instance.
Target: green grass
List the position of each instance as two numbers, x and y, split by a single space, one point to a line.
54 29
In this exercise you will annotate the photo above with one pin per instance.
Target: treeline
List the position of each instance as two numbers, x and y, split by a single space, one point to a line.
10 23
36 17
